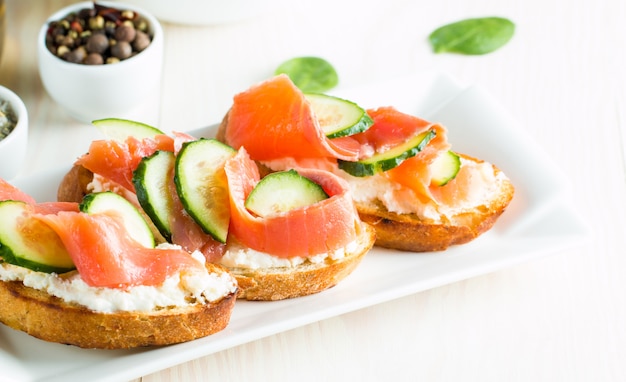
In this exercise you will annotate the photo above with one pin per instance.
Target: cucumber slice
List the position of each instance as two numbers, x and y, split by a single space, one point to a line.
202 185
283 191
151 181
134 222
339 117
29 242
120 129
445 168
389 159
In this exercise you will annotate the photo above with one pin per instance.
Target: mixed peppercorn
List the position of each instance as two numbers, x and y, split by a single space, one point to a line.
8 120
98 35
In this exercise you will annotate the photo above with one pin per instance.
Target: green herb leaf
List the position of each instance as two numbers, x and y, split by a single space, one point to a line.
472 36
310 74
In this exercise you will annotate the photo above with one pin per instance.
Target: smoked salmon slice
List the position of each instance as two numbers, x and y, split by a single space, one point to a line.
106 256
10 192
116 160
273 120
101 248
319 228
392 127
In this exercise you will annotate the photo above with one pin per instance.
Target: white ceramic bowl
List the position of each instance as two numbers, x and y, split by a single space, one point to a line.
90 92
14 146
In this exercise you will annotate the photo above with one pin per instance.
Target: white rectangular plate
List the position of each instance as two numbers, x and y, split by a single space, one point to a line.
539 221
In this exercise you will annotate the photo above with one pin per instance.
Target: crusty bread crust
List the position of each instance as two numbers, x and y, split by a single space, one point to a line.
52 319
409 232
73 186
285 282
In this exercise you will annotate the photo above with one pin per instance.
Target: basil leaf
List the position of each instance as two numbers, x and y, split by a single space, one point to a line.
472 36
310 74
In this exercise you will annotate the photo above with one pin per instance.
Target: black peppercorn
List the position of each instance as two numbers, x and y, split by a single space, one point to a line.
125 32
121 50
77 55
142 40
97 43
94 59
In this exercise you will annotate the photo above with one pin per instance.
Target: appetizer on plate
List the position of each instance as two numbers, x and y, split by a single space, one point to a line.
406 179
90 275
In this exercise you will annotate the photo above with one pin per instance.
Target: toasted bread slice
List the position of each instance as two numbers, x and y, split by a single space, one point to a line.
53 319
410 232
278 283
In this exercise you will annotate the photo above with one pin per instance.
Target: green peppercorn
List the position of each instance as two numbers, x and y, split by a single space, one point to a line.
141 24
96 22
112 60
128 14
62 50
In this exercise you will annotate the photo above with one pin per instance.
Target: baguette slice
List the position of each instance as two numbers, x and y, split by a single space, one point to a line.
52 319
410 232
278 283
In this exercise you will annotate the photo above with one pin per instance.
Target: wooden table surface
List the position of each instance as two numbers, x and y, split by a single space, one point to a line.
559 318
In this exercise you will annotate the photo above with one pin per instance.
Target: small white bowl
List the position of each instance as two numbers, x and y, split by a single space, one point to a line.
14 146
90 92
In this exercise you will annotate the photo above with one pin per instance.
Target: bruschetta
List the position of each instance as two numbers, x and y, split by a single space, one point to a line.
90 275
406 179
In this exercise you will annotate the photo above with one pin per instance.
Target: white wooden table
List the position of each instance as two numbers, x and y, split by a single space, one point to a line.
561 318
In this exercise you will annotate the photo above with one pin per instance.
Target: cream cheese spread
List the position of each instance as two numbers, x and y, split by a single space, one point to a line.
102 184
239 256
179 290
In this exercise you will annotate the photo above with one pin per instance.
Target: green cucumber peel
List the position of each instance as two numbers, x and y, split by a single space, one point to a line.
283 191
134 222
150 180
338 117
202 185
45 254
119 129
389 159
445 168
